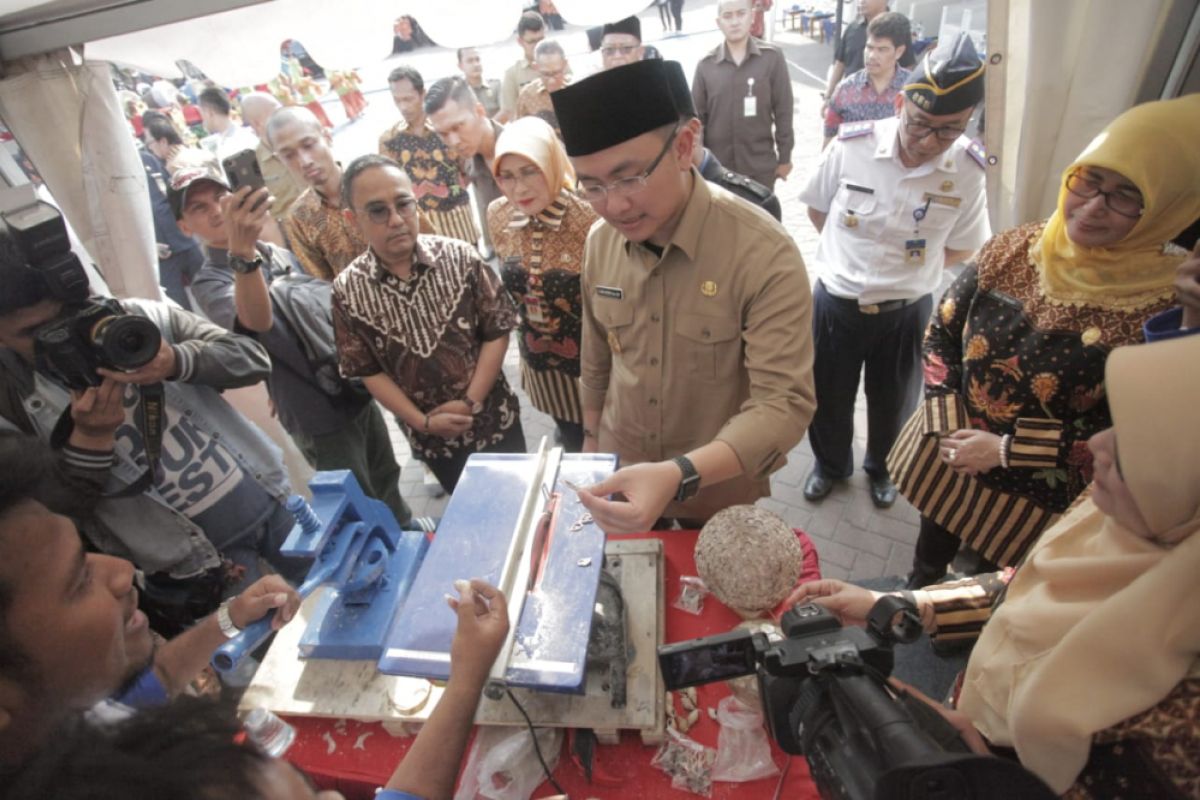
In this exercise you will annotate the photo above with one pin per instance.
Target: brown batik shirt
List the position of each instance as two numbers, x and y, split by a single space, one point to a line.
425 333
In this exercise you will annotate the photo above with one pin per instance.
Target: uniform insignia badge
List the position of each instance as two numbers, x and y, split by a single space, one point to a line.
947 185
849 220
1090 336
708 289
614 344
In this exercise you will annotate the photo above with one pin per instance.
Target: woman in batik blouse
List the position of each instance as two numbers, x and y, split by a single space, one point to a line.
539 229
1014 357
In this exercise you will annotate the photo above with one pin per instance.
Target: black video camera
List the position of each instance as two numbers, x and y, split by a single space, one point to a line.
90 332
825 696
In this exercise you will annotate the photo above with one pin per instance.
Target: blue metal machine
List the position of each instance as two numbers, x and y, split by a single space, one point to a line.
360 552
513 521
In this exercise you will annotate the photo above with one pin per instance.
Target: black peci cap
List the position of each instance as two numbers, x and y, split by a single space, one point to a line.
614 106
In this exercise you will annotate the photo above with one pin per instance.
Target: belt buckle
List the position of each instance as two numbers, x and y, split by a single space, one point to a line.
873 308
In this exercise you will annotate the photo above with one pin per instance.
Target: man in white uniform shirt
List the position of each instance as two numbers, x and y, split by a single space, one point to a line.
895 200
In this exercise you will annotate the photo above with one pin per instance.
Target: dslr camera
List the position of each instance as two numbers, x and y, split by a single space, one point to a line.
90 332
825 696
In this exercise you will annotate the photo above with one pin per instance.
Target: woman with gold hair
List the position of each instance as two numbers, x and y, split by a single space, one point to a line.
1014 357
539 229
1088 669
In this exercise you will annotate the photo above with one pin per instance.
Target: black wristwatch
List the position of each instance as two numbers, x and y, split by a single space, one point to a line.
690 484
243 267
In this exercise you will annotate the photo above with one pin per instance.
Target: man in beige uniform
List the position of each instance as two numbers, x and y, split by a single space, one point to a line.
697 352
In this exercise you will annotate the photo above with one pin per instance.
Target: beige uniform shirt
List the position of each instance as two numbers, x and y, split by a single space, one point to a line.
711 341
515 79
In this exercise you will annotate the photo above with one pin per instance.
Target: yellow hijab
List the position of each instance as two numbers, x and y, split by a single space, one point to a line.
533 138
1100 623
1157 147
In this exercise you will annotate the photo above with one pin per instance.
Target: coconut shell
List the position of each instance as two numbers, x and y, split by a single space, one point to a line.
749 558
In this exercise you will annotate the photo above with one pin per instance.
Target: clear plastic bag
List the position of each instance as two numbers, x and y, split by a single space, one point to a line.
688 762
692 592
743 751
503 765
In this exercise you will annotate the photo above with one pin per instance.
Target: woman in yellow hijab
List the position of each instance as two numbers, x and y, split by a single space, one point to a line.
1014 357
539 229
1089 669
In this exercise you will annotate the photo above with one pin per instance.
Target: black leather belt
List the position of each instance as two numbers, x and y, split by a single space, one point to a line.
875 308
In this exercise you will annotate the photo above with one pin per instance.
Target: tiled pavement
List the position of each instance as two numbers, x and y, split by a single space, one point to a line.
853 538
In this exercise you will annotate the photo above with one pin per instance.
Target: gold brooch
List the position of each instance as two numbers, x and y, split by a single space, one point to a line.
708 289
1090 336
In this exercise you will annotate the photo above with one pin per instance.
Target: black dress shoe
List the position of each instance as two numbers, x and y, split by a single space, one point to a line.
883 492
817 487
923 575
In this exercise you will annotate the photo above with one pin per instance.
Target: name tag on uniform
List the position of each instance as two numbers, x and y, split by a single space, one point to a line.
914 252
943 200
750 107
611 292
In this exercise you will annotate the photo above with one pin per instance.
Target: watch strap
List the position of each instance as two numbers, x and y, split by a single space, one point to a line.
690 483
244 267
225 622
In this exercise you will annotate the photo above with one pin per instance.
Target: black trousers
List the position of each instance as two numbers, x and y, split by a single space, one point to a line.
677 12
448 470
937 547
886 349
571 434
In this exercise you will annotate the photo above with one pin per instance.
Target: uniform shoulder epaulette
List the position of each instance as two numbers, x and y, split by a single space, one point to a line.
853 130
977 153
728 177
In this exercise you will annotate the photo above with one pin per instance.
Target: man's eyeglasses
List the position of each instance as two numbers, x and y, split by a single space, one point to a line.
527 176
919 130
597 192
618 50
381 213
1121 201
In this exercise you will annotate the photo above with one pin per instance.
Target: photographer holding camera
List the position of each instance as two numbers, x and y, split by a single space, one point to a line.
1089 668
163 471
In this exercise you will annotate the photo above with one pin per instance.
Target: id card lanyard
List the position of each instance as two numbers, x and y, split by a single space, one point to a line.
914 248
750 102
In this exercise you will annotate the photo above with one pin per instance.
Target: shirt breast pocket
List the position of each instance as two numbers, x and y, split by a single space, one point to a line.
857 198
711 345
615 316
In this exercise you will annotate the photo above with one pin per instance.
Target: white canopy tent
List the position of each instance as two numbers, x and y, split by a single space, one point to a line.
1054 82
1058 73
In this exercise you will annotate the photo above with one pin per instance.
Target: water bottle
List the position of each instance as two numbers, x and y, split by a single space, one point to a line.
269 732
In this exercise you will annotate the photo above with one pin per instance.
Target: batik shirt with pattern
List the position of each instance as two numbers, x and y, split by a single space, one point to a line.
436 178
540 262
425 334
1001 357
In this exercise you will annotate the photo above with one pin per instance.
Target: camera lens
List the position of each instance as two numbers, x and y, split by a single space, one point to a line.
126 341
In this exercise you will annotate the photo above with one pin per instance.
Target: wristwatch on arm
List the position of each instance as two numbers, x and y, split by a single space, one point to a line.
243 267
475 405
690 483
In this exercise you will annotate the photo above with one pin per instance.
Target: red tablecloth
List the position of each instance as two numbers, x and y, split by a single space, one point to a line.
364 755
